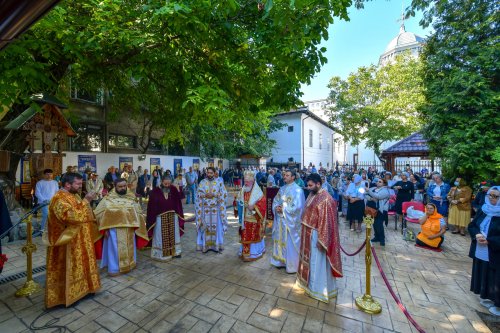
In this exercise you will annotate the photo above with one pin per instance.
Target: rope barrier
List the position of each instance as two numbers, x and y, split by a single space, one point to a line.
357 251
398 301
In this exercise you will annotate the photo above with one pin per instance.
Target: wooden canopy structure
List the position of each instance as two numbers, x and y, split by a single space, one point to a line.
414 145
50 127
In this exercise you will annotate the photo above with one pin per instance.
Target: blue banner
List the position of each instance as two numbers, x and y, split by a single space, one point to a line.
177 166
154 164
87 163
196 164
125 160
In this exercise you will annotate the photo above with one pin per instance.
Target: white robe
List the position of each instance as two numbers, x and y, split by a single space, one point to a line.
110 254
211 220
322 285
286 227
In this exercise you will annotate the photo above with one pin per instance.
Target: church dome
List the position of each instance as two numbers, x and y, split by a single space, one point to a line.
403 39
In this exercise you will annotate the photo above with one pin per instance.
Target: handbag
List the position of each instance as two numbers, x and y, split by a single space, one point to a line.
369 211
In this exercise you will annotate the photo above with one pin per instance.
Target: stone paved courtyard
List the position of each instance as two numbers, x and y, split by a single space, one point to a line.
219 293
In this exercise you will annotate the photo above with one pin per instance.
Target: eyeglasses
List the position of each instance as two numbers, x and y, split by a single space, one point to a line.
380 181
492 196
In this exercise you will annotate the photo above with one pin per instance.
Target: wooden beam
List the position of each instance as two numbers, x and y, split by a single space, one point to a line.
16 16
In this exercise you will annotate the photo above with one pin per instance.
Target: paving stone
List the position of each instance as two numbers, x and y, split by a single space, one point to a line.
128 328
205 313
111 321
314 320
292 306
241 327
223 325
90 328
250 293
179 311
162 327
87 305
201 327
372 328
186 323
87 318
133 313
245 310
343 322
293 323
265 323
401 327
106 298
222 307
236 299
227 291
12 325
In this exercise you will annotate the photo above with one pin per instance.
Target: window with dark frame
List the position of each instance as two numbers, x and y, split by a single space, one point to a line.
310 138
90 138
121 141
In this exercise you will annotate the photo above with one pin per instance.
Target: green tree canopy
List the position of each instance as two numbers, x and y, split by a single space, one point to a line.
196 68
461 112
378 104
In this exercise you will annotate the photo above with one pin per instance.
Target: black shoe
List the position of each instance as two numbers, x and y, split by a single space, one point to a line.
177 257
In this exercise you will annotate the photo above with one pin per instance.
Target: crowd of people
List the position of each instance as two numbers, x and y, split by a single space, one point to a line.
305 213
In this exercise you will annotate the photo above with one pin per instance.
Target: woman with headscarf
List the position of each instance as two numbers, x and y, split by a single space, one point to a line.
485 252
459 198
356 206
405 192
433 228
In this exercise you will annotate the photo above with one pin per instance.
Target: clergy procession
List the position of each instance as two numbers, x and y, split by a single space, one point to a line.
304 233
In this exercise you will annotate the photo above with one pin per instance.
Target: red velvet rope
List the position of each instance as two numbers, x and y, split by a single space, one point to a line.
357 251
398 301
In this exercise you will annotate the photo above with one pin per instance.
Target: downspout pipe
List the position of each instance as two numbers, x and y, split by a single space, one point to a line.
303 142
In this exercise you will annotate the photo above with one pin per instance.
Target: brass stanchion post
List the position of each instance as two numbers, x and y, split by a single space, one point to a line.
366 303
30 287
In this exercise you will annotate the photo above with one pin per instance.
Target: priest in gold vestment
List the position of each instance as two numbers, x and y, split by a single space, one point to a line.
72 269
119 218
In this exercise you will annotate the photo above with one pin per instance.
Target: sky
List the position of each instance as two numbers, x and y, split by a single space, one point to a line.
359 42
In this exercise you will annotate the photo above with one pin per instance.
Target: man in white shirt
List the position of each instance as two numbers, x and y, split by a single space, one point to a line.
44 191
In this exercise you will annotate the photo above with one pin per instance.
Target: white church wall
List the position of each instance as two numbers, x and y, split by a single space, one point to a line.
288 144
319 153
105 160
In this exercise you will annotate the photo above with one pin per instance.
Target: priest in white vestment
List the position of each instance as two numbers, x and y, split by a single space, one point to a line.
288 207
210 209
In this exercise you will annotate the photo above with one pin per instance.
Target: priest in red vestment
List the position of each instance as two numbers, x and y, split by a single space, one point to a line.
251 206
319 262
165 221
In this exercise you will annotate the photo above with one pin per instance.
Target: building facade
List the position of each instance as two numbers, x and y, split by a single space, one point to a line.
305 140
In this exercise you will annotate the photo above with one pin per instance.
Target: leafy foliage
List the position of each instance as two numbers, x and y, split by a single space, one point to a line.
201 70
378 104
462 85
